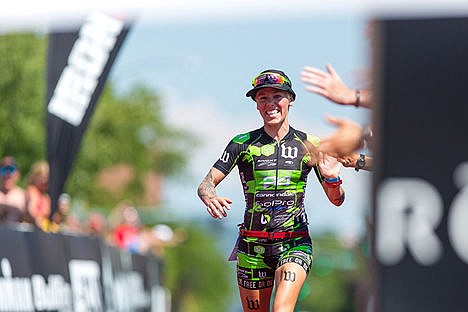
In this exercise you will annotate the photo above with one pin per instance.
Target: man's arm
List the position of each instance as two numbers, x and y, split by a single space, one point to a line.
206 191
329 85
351 161
346 139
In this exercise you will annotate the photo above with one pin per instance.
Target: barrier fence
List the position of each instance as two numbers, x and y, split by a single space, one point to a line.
61 272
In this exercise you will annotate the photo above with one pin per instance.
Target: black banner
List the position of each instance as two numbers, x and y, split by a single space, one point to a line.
421 181
56 272
78 65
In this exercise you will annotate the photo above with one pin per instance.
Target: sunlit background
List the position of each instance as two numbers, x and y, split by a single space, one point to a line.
197 60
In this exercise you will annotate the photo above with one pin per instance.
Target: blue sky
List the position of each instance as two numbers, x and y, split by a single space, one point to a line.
202 68
200 56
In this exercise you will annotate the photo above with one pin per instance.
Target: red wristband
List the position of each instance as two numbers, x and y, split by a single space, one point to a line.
333 184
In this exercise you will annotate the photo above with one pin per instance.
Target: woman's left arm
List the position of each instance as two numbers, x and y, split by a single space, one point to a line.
330 170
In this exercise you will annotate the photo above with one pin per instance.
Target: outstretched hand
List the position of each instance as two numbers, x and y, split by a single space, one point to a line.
328 84
349 161
344 141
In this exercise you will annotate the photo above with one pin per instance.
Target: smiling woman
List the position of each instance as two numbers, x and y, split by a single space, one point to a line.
274 248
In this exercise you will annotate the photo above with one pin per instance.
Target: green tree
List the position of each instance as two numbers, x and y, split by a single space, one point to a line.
127 129
331 286
198 274
22 94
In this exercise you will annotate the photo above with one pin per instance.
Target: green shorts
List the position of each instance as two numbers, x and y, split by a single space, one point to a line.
258 259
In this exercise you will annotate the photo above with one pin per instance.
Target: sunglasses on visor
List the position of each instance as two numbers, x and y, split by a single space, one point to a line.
272 78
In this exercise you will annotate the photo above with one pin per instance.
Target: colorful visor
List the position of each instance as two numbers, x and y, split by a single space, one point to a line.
7 170
269 78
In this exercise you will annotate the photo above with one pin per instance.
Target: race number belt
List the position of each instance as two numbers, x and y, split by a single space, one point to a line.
272 235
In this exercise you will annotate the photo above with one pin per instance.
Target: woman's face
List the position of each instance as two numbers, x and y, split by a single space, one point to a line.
273 105
42 182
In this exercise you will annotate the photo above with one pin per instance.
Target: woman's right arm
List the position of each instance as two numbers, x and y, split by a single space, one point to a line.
206 191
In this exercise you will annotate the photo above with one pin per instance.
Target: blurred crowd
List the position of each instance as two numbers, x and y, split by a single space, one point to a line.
31 206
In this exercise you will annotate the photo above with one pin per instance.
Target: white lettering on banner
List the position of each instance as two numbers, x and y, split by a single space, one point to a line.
407 214
86 62
408 211
53 293
85 281
160 298
52 296
129 292
458 217
15 292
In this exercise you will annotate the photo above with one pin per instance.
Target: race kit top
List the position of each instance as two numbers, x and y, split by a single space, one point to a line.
273 176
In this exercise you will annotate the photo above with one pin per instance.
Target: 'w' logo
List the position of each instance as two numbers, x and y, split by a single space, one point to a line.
252 304
288 152
289 276
225 157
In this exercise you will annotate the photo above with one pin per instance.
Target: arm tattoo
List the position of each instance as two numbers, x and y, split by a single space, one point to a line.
207 187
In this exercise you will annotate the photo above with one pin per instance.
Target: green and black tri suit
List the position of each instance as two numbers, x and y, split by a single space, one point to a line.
274 177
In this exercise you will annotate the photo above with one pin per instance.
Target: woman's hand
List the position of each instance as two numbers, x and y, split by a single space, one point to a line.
216 206
329 166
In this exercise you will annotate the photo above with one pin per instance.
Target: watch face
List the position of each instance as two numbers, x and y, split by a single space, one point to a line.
361 162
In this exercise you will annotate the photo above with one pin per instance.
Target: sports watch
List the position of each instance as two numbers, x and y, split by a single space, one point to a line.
361 162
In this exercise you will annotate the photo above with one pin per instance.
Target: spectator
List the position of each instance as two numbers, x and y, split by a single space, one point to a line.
73 224
63 208
37 197
12 197
159 237
97 225
126 233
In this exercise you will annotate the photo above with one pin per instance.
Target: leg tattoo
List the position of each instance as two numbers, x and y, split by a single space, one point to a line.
252 304
289 276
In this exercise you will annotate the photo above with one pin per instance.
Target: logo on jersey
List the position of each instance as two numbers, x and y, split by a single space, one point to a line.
267 150
225 157
259 249
272 181
288 152
266 163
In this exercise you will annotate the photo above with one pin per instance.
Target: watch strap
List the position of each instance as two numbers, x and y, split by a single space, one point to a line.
361 162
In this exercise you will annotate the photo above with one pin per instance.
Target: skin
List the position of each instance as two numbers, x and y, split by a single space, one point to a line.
329 85
350 160
273 106
346 139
